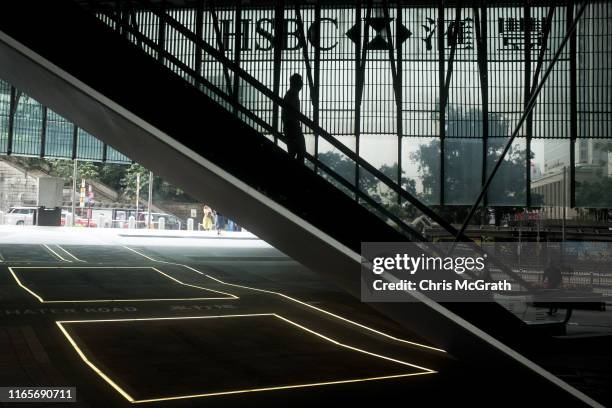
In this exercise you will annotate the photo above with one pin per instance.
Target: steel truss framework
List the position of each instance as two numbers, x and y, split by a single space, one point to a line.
388 78
394 81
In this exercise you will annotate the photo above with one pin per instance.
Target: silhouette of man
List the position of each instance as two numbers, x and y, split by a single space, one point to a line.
296 145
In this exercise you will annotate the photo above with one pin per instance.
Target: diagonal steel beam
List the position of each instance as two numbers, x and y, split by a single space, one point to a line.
479 47
536 74
527 111
451 57
441 111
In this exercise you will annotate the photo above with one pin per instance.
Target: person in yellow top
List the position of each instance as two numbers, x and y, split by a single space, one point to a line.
207 220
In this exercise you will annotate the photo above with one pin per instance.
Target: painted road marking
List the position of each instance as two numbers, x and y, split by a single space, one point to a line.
318 309
106 377
70 254
58 256
12 270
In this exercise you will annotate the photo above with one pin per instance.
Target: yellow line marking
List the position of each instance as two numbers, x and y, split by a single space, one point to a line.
318 309
25 287
93 366
146 319
56 254
228 296
74 257
351 347
283 387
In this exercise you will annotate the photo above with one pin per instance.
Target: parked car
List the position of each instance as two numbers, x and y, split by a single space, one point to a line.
20 216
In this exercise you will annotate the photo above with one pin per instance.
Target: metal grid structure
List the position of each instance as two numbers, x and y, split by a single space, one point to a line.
426 93
28 128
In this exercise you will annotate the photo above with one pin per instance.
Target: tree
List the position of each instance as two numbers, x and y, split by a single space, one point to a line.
463 166
129 181
162 190
65 168
370 185
594 190
165 190
119 177
390 199
594 194
112 173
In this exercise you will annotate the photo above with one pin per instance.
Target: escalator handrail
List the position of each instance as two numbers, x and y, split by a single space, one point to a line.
302 118
308 122
409 230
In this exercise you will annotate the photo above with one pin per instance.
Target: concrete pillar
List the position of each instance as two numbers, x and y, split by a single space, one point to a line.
68 220
161 223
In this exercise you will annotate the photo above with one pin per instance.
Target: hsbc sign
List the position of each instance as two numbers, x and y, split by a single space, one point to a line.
259 34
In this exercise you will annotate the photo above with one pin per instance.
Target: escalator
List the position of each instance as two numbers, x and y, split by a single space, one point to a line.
94 67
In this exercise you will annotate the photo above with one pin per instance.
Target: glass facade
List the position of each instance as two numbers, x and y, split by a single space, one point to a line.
427 94
29 129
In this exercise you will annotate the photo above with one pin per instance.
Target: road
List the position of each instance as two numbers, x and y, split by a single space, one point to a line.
174 320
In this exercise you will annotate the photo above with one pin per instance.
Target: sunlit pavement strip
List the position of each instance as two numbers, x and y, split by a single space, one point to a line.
70 254
34 235
58 256
13 269
61 257
62 325
293 300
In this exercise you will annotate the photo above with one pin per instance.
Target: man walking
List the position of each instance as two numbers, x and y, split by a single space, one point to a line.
296 145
